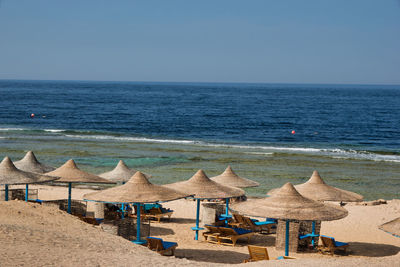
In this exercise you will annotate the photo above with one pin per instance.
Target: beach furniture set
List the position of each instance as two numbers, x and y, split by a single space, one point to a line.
286 204
200 187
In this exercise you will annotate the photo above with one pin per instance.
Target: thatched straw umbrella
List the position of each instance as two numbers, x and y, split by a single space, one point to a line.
10 175
230 178
392 227
288 204
70 173
316 189
201 187
30 164
121 173
138 190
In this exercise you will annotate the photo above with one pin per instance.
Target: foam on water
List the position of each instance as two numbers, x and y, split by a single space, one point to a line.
54 130
334 152
12 129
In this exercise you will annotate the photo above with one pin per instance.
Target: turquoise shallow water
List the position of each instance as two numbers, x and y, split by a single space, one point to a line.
349 133
171 162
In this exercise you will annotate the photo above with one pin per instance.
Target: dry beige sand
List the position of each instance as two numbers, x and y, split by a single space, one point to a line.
35 235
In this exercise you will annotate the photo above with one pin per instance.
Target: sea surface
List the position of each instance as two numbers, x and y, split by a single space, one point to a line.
349 133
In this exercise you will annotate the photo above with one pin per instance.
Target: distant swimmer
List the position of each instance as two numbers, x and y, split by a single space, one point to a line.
32 115
293 132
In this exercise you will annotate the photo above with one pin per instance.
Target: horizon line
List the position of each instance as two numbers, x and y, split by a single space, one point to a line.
196 82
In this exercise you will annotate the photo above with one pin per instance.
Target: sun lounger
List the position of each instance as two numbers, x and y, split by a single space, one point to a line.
238 221
212 234
257 253
330 245
160 246
154 213
219 235
233 234
158 213
257 226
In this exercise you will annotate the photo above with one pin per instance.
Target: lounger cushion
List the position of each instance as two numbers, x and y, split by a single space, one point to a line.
167 244
150 206
339 244
241 231
264 223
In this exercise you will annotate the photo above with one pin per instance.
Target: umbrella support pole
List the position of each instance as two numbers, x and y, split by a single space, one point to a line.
197 228
313 233
138 241
69 197
227 208
26 192
6 192
287 238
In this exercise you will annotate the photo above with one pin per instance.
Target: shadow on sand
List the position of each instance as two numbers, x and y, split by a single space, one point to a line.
372 250
214 256
157 230
263 240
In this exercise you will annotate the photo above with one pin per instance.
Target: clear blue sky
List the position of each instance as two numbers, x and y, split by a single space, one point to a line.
310 41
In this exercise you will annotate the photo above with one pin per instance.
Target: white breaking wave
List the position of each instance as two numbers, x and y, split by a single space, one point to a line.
269 150
54 130
12 129
260 153
132 139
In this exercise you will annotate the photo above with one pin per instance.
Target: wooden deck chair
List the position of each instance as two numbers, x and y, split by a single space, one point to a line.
212 234
160 246
158 213
238 221
258 226
257 253
330 245
233 234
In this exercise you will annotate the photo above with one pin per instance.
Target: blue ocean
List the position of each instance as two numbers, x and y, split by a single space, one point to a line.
271 133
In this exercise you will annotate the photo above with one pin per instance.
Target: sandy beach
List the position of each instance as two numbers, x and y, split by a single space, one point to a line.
35 235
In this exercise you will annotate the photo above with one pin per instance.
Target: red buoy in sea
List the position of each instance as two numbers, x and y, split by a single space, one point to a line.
32 115
293 131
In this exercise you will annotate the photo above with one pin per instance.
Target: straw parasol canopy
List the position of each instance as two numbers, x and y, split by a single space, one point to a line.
202 187
287 203
121 173
315 188
30 164
137 190
230 178
9 174
70 173
392 227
